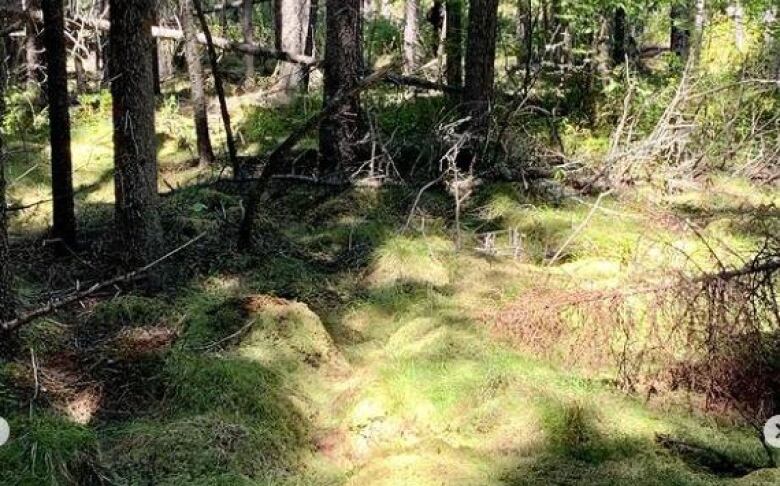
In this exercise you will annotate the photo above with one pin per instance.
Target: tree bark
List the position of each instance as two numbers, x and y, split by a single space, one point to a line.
311 40
199 101
680 34
81 75
223 108
248 26
454 43
524 32
7 298
618 47
411 33
480 61
341 130
64 227
32 47
135 147
292 30
737 14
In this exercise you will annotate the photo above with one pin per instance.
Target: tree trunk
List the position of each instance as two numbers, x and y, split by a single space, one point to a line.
7 299
411 32
156 61
618 47
524 32
135 147
248 25
32 47
436 17
223 108
341 131
292 30
64 227
454 47
480 61
384 8
81 75
680 34
771 46
193 53
737 14
311 40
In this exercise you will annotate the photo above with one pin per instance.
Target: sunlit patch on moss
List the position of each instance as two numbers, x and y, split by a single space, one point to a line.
418 260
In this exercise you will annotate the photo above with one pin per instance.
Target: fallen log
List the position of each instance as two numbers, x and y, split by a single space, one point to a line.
159 32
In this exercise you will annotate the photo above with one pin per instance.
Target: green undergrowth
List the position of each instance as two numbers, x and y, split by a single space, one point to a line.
345 351
348 347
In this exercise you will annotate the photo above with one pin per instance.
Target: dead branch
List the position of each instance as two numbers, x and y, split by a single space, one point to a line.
578 230
175 34
15 324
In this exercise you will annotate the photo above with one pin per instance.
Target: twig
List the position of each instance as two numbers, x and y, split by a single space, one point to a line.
241 331
579 228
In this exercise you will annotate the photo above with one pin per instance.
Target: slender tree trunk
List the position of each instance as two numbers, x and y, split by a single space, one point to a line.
480 61
223 108
7 299
223 22
524 32
341 131
737 14
248 25
680 34
292 28
156 61
193 53
311 40
454 47
618 50
411 33
64 227
436 17
81 75
135 147
32 47
771 45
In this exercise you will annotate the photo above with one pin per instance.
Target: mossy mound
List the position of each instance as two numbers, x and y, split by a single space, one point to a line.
285 333
203 449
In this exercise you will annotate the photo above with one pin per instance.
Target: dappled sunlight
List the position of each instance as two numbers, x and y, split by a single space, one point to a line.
416 260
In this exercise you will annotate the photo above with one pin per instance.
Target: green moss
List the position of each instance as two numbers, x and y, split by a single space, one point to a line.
48 450
207 449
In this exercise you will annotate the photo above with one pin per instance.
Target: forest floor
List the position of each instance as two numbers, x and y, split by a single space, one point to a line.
343 350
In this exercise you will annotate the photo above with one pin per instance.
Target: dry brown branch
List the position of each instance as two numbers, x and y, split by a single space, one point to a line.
53 305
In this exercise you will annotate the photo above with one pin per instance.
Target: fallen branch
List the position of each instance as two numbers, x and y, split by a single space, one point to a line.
578 230
277 157
13 325
159 32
